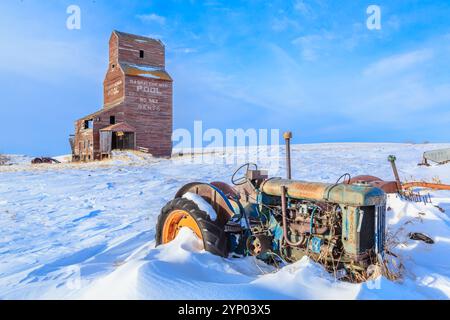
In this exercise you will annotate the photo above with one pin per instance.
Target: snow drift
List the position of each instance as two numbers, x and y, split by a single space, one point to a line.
87 231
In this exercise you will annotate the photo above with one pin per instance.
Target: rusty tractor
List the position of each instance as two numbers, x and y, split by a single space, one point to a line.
339 225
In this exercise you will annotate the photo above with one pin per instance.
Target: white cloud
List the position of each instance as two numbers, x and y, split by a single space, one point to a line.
186 50
283 23
258 87
397 63
302 7
189 50
397 88
311 45
152 17
155 36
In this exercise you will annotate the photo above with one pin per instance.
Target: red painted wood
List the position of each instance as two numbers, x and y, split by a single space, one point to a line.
142 101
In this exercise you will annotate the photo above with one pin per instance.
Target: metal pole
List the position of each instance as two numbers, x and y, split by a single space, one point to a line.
392 159
287 137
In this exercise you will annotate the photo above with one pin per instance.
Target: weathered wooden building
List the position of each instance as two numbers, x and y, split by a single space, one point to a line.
137 109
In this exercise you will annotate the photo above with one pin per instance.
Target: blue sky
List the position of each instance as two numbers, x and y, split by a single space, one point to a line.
309 66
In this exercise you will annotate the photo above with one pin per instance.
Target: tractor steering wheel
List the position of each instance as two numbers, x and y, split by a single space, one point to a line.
243 179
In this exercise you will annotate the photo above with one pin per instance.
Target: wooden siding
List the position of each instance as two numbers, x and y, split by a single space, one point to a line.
129 47
142 102
149 110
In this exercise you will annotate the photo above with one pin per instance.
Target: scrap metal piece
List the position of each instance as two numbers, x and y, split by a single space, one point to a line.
392 160
415 184
440 156
415 197
420 237
259 244
44 160
428 185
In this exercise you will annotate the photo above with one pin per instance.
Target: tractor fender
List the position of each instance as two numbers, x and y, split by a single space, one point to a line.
215 194
386 186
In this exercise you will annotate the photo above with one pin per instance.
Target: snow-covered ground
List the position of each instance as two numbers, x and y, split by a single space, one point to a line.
87 230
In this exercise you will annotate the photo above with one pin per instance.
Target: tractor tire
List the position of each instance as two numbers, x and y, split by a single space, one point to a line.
212 233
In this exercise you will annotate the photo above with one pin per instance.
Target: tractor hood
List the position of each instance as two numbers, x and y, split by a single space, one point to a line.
357 194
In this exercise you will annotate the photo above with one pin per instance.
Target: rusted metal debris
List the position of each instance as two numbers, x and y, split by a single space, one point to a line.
3 160
405 189
44 160
427 185
420 237
415 197
441 156
392 160
386 186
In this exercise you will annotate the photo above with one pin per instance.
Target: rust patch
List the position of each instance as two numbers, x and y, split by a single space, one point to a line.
295 189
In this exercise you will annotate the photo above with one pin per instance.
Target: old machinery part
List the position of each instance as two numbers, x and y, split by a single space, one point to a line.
243 179
283 212
350 194
406 191
44 160
392 160
386 186
340 225
441 156
420 237
259 244
183 213
427 185
287 138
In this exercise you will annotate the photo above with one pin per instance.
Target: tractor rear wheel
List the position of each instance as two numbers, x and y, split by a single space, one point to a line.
180 213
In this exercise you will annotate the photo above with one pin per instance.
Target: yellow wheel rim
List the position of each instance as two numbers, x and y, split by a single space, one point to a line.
176 220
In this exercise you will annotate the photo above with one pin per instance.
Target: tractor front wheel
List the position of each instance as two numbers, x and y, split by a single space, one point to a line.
180 213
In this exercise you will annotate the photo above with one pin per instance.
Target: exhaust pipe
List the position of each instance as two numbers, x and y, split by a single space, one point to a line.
287 138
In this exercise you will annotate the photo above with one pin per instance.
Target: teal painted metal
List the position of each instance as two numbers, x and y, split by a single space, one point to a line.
354 194
350 219
316 244
358 194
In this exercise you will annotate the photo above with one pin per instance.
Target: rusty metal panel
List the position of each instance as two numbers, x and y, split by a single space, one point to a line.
438 156
295 189
214 195
386 186
428 185
351 194
349 236
360 226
